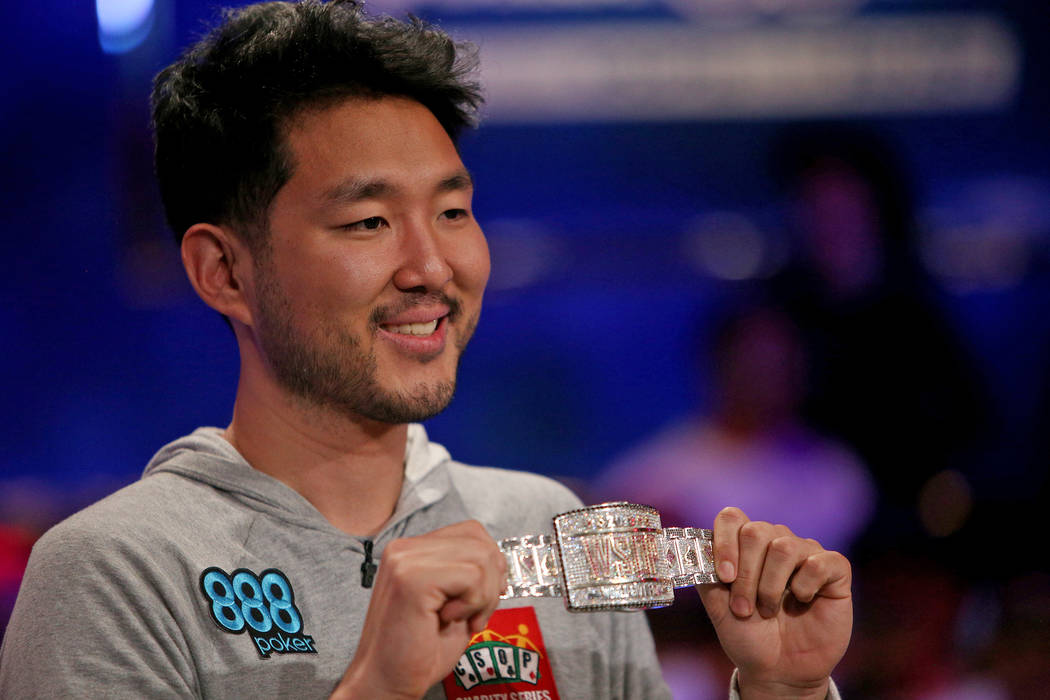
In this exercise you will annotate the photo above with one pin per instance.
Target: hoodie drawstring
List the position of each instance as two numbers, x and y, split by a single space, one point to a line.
368 567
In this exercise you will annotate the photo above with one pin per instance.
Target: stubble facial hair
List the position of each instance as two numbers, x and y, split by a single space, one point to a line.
327 367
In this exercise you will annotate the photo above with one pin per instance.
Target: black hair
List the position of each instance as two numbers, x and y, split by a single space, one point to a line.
220 111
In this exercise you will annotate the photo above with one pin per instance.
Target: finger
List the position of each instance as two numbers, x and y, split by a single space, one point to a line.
479 599
725 542
784 555
494 569
463 527
754 538
457 571
477 603
715 598
434 572
823 573
471 536
463 591
480 620
463 541
462 610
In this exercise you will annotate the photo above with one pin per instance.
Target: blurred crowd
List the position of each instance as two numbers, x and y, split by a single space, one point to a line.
841 403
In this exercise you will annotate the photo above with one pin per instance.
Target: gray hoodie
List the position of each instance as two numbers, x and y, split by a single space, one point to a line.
208 578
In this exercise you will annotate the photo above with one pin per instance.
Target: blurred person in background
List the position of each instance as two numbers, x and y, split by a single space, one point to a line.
752 449
889 375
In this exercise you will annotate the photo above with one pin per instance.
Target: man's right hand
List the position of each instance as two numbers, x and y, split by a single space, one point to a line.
432 593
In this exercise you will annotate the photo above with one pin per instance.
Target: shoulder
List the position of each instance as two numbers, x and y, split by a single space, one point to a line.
511 502
143 520
131 560
106 580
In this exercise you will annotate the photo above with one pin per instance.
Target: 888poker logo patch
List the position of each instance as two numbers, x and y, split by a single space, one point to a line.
263 606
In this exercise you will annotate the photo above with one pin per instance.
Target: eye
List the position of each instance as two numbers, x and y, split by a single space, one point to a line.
372 223
455 214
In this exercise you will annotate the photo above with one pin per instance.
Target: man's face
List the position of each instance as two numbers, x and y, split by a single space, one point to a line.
371 284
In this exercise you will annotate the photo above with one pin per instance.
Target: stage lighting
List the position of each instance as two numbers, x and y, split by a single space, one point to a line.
123 24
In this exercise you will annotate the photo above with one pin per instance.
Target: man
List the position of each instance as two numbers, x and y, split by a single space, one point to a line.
306 161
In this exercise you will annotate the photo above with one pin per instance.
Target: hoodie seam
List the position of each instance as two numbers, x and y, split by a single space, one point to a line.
248 532
279 512
213 480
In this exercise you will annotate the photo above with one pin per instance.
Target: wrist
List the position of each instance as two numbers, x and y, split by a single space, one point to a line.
356 686
761 689
349 691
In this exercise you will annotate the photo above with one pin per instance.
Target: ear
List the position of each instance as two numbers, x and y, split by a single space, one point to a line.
218 266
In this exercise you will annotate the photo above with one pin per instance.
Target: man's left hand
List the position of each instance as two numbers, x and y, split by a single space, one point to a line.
783 612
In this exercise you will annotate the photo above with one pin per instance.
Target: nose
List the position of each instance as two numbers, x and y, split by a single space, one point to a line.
424 265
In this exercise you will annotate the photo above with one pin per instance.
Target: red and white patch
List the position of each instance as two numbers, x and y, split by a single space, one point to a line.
505 661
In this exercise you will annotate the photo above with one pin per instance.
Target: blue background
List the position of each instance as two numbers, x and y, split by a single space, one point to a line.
107 354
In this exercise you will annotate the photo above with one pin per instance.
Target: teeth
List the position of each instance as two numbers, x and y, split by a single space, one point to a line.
415 328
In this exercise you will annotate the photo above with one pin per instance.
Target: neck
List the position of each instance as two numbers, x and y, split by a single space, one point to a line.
350 469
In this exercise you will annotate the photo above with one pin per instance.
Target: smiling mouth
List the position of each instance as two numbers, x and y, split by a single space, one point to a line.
417 317
418 329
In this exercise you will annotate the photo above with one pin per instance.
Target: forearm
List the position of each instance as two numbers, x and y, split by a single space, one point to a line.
353 688
361 681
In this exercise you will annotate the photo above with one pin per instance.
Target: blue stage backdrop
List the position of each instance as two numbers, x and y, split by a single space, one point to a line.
628 180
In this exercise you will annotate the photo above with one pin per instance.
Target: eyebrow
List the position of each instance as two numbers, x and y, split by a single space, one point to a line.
355 190
460 181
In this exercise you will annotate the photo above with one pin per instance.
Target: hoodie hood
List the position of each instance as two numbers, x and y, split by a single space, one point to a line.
205 456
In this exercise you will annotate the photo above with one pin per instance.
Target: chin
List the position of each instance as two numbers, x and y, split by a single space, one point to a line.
396 407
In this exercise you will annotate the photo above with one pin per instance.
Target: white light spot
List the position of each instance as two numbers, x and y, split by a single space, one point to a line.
123 24
729 246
